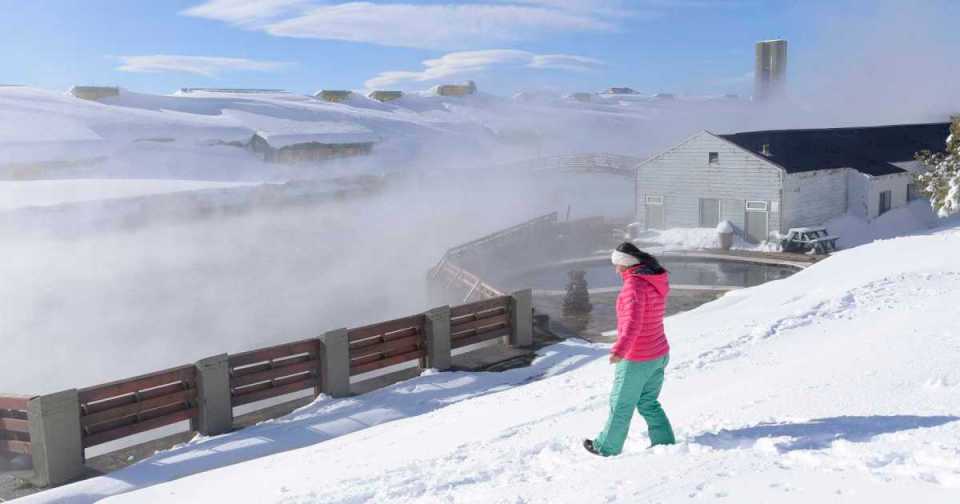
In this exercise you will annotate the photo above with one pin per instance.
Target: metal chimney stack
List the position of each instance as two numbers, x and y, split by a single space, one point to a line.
770 70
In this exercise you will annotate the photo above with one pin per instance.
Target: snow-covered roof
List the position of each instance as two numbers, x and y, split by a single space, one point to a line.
321 133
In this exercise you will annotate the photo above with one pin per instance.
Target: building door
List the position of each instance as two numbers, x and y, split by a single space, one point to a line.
757 221
654 212
886 201
709 212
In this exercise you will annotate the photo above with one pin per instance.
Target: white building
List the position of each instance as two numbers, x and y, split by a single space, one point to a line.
766 181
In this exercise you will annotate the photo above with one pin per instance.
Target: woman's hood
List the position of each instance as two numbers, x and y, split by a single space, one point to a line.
659 281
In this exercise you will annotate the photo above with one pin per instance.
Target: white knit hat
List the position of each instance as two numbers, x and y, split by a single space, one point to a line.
623 259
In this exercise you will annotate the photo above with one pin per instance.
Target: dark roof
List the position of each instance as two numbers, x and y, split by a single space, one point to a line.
869 150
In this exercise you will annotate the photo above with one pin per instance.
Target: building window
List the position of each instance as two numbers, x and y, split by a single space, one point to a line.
713 157
757 206
886 199
654 200
709 212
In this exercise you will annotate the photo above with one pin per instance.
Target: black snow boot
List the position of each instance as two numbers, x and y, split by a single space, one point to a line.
588 444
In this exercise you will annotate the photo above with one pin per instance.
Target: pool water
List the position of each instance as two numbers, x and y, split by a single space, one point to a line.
683 271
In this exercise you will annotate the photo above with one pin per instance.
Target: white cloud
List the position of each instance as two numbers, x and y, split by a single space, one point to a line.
468 62
434 26
200 65
245 12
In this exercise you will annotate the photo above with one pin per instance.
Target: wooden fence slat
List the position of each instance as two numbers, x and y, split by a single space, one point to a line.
372 330
479 338
382 363
476 324
11 446
485 314
91 408
403 333
392 346
15 414
277 372
479 330
310 346
182 396
478 306
261 394
138 383
14 425
128 430
133 419
14 402
264 366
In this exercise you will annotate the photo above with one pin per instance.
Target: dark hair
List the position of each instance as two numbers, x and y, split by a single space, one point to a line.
650 264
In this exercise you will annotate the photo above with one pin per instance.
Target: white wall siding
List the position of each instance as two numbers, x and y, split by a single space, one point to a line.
682 176
865 192
896 184
812 198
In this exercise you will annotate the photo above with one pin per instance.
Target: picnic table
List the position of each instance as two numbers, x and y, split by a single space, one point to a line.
809 240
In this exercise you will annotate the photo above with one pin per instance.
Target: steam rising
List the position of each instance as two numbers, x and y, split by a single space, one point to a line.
95 307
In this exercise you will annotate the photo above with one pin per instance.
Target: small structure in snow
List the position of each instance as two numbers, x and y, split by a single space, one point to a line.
385 96
312 147
620 91
230 90
582 97
457 89
94 93
334 95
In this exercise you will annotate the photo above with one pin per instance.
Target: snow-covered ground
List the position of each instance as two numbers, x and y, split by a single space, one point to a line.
838 384
33 193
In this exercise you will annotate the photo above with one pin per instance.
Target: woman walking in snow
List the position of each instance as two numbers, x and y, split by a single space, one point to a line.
640 354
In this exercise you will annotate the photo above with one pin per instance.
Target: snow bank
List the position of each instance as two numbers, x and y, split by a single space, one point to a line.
853 231
806 389
692 239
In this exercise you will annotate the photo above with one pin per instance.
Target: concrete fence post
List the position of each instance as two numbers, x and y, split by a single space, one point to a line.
437 331
213 396
55 438
521 318
335 359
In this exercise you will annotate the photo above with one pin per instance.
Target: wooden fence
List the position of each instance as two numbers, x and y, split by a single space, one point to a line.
207 392
122 408
274 371
14 425
478 322
387 344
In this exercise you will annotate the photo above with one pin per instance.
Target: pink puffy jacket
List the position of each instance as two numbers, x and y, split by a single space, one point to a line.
640 308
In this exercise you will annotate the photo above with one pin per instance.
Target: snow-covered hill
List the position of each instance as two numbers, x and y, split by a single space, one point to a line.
186 135
838 384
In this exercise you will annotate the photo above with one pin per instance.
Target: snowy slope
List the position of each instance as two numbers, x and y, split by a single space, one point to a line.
34 193
838 384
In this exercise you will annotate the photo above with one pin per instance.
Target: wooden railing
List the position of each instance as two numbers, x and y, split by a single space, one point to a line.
478 322
122 408
474 286
14 425
206 393
274 371
548 219
387 344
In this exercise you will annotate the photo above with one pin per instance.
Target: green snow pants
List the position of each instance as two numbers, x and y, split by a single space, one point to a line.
636 385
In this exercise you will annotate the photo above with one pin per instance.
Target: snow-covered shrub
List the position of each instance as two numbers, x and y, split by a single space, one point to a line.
941 183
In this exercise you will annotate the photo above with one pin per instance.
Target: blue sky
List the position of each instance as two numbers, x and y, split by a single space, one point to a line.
680 46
